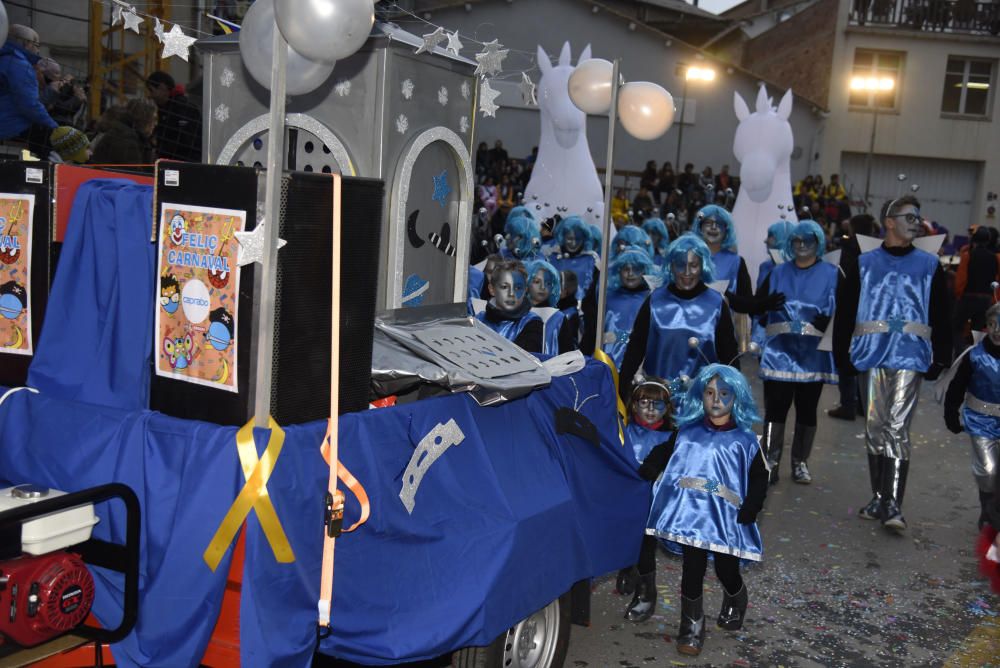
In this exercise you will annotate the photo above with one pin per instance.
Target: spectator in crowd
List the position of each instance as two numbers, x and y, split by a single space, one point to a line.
62 97
667 179
706 181
125 134
650 180
498 153
178 132
978 268
619 208
533 158
834 190
22 114
488 197
483 159
642 204
723 180
69 145
687 181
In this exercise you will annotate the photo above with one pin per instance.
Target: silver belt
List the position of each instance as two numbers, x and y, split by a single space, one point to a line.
980 406
895 325
711 487
792 327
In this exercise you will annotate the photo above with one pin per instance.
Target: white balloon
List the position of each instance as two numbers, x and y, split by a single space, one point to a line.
3 23
646 109
590 86
256 48
325 31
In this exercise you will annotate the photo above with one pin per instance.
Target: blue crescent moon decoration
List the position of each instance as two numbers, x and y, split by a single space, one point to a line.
441 188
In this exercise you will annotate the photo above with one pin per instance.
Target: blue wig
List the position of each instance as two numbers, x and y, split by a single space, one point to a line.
692 409
631 235
656 225
780 231
805 228
678 251
723 218
520 210
578 227
523 226
596 241
552 281
639 260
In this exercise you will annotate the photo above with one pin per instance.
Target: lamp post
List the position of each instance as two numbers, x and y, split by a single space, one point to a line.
688 73
873 86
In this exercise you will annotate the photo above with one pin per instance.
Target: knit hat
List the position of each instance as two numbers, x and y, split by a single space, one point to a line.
70 144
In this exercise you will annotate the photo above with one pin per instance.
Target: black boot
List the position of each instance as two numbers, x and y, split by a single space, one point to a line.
691 635
873 510
643 604
894 473
842 413
985 499
802 443
773 442
627 579
734 609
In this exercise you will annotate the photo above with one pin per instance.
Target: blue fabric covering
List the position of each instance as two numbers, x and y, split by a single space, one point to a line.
985 386
623 306
673 321
583 265
503 523
96 345
727 268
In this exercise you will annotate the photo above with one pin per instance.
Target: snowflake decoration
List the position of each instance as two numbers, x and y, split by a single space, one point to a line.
463 124
443 96
402 124
343 88
465 90
227 78
222 113
487 97
407 89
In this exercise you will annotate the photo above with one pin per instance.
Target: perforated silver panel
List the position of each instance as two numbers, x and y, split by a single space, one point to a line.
478 353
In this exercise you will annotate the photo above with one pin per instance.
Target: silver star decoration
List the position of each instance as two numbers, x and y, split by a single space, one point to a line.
431 40
158 29
116 14
486 99
222 113
252 245
528 89
490 59
465 90
176 43
454 43
227 78
132 20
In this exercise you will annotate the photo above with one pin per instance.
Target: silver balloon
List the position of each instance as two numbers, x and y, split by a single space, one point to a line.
3 23
590 86
256 46
325 30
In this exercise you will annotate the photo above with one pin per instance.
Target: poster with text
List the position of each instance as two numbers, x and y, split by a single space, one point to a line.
197 305
16 212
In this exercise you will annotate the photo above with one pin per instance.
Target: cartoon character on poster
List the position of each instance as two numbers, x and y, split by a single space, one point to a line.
16 211
197 292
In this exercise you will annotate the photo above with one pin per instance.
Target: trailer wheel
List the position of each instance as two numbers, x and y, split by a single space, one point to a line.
540 640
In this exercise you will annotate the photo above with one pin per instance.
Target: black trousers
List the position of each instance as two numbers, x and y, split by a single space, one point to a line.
778 398
971 308
727 568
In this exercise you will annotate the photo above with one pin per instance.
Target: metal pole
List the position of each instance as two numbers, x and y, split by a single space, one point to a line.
272 200
602 288
871 151
680 125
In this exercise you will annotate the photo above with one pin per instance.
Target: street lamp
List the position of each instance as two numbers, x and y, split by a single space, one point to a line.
873 86
689 73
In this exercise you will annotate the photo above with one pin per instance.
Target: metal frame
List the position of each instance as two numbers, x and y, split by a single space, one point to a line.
261 124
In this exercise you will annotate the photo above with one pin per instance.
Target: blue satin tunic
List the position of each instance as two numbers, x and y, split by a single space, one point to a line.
808 292
756 329
583 266
984 385
897 290
695 516
727 267
623 306
643 440
508 329
476 280
550 337
672 321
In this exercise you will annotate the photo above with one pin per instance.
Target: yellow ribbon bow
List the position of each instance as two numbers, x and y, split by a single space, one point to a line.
602 356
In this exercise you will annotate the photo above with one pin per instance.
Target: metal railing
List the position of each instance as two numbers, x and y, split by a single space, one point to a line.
955 16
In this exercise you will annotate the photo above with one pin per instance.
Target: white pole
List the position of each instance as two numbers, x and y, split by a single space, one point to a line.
602 287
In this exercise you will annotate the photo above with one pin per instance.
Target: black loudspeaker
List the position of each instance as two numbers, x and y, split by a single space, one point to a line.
301 356
24 178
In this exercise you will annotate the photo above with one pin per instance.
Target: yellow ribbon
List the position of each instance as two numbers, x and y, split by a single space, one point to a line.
253 496
602 356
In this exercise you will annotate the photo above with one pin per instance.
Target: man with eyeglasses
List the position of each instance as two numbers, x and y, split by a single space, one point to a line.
892 324
22 113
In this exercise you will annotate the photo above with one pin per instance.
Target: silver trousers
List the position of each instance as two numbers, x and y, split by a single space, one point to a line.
985 453
892 399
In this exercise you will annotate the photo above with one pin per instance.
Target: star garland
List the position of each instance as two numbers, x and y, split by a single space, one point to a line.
487 97
490 59
431 40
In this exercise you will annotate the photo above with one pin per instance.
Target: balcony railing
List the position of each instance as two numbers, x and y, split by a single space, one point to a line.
948 16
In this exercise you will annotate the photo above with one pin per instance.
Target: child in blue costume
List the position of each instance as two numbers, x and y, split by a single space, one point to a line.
508 312
574 237
711 480
627 291
777 233
683 324
544 289
793 368
652 423
631 236
522 237
660 237
976 383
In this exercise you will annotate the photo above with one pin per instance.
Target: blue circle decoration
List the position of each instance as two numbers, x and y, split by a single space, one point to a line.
414 290
218 336
10 306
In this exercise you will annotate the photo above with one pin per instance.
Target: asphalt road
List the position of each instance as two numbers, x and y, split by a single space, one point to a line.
835 590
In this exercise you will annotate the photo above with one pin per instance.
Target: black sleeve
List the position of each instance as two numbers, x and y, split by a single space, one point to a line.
955 395
568 333
765 287
993 506
589 308
848 296
939 315
756 489
635 351
726 348
744 287
656 460
743 301
531 336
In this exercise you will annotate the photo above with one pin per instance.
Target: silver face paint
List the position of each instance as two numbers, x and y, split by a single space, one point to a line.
717 400
650 411
512 244
687 274
804 248
993 329
571 243
630 277
712 232
771 242
908 223
538 290
508 291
